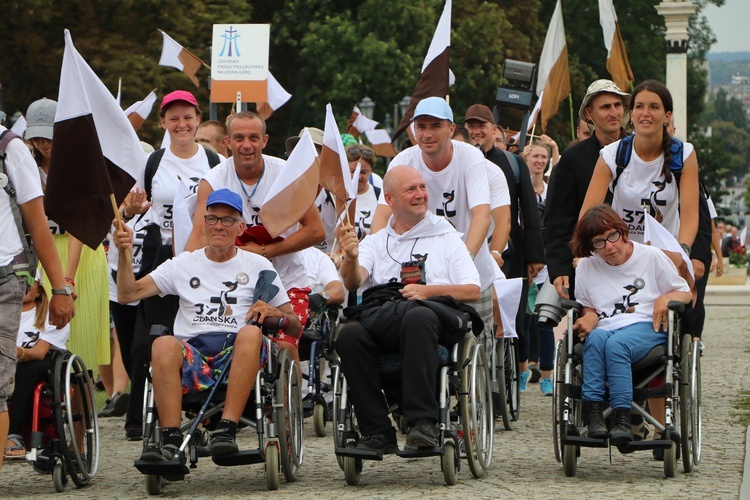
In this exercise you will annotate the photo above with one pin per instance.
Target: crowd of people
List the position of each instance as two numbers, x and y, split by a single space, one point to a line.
453 214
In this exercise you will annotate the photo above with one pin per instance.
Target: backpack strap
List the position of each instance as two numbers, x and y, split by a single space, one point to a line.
377 191
513 161
622 158
24 264
213 158
675 149
154 159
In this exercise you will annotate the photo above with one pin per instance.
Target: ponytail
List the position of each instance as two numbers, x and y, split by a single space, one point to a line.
666 143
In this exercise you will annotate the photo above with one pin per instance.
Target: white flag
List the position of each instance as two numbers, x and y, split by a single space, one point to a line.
509 297
658 236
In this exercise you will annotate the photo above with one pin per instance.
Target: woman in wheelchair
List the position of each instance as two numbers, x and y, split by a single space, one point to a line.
625 288
36 342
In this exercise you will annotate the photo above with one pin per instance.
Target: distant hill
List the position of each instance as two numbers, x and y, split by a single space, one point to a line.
725 64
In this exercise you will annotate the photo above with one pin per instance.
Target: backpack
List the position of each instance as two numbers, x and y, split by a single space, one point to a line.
154 159
625 152
25 263
513 161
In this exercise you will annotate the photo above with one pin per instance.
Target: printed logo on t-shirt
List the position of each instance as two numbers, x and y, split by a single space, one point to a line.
627 306
218 311
446 211
362 223
33 339
254 218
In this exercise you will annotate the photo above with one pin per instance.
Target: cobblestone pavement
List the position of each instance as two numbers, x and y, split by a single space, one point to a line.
523 466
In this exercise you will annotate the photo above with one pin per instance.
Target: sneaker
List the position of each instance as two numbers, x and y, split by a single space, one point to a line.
134 432
640 431
536 373
423 434
523 379
545 384
223 440
115 407
379 443
167 452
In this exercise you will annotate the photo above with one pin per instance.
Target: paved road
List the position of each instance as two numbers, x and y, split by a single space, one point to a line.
524 465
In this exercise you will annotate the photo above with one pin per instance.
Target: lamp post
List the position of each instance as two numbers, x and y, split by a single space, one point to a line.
367 107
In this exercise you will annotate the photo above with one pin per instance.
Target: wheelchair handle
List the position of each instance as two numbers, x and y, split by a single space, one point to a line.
274 324
676 306
571 304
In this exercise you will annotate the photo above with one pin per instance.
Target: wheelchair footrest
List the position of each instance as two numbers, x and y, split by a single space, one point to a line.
647 444
585 441
413 452
361 454
164 468
242 457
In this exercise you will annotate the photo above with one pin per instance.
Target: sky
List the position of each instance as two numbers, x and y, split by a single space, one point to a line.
729 24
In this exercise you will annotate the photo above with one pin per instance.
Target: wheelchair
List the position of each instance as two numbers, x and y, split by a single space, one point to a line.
506 392
317 344
63 433
463 374
678 362
274 410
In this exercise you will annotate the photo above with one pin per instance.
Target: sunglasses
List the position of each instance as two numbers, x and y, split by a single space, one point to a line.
357 153
600 243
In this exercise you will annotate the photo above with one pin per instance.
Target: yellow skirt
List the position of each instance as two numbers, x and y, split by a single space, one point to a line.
89 329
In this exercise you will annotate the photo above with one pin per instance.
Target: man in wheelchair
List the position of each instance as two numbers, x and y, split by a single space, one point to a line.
216 286
425 255
625 288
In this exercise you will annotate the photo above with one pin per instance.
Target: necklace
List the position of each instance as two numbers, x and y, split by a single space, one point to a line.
242 184
387 243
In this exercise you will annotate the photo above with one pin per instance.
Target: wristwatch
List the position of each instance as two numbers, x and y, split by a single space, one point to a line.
66 290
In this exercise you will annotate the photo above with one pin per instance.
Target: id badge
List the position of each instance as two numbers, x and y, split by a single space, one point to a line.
413 272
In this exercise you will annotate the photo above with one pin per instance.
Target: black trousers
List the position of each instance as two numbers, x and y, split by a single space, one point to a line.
417 342
28 374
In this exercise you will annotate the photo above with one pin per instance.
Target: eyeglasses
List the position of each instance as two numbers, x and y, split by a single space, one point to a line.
211 220
600 243
356 152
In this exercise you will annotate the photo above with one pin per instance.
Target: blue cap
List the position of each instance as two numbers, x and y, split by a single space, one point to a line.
433 106
225 197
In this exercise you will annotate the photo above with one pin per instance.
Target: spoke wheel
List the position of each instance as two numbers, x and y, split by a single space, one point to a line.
558 375
289 419
686 402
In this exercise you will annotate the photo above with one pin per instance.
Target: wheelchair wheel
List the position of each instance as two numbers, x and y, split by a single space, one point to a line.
154 483
339 387
449 463
272 467
352 467
500 398
687 426
695 391
74 410
558 375
512 389
477 421
670 460
289 419
58 478
319 419
570 459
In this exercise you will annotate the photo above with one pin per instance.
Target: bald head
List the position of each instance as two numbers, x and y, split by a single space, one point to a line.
398 176
406 194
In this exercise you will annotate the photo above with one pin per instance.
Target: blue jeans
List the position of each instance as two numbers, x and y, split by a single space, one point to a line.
608 356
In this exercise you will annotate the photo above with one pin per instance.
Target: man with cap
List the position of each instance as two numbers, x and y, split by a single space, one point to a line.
250 173
22 186
215 286
455 174
603 108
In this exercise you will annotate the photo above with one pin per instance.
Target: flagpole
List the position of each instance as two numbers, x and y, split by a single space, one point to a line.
572 122
119 219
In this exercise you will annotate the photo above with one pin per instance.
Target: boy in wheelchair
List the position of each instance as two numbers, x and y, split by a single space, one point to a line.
37 341
216 287
426 255
625 288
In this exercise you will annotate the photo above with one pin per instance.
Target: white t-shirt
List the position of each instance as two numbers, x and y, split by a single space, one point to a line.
291 266
453 192
188 171
29 335
324 204
642 183
138 225
23 174
447 261
625 294
499 194
320 270
366 205
214 296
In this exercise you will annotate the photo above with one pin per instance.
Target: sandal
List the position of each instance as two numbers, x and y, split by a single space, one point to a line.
17 450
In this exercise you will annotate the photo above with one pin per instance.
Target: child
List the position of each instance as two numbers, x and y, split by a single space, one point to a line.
36 342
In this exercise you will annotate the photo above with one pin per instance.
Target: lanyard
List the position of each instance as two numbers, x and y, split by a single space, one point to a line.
242 184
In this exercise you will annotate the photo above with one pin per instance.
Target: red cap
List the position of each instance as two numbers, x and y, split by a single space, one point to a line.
179 95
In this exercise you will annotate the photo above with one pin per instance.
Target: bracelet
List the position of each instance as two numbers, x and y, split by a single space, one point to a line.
23 353
263 251
70 282
125 217
686 248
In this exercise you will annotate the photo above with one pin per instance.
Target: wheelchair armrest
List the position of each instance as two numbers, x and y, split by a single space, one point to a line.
676 306
159 331
568 304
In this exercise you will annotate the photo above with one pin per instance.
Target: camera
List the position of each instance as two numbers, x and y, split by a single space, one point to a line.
517 92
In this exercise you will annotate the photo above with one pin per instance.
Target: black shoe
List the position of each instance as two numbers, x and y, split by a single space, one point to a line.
167 452
378 442
597 427
658 454
621 432
423 434
222 443
115 407
134 432
536 374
